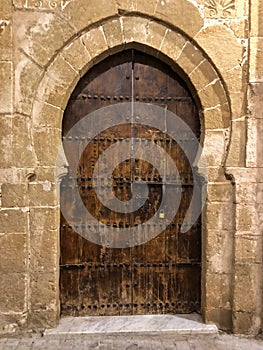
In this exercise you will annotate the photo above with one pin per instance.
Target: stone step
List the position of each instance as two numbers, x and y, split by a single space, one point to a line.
137 325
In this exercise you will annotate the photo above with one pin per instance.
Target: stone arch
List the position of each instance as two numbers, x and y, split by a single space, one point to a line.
75 58
98 41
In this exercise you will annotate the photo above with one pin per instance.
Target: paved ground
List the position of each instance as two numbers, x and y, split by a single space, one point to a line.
153 332
207 342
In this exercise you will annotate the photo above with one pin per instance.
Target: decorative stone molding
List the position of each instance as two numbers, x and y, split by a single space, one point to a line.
220 8
42 4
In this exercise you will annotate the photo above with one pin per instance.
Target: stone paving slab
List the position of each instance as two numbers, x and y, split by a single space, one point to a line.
84 342
140 325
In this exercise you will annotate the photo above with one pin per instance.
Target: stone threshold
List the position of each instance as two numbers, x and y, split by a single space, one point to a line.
140 325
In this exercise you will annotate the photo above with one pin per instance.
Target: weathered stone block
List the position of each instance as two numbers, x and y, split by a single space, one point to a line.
23 151
156 33
6 88
248 248
216 41
258 173
94 11
9 175
242 174
45 115
44 290
5 141
259 208
240 27
221 317
213 95
256 60
246 193
201 74
220 288
130 5
214 173
113 33
246 217
242 8
147 7
51 138
172 46
95 42
214 147
237 151
27 78
220 192
77 55
5 8
253 146
14 195
259 132
60 71
13 253
126 6
190 57
41 34
219 251
134 29
42 194
9 323
247 291
238 105
219 216
5 40
236 80
44 219
255 100
259 193
175 13
44 318
242 322
44 253
13 221
44 173
256 19
13 292
57 85
217 117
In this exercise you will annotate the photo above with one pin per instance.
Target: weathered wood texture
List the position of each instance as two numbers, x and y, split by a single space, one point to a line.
164 274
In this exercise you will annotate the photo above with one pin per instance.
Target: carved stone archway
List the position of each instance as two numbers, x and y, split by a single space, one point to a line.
208 86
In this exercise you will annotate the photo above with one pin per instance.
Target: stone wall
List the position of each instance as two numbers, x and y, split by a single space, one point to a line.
45 47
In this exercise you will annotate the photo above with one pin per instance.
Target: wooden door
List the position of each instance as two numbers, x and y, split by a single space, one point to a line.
159 276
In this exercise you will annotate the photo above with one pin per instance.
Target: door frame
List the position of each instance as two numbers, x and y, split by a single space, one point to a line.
55 88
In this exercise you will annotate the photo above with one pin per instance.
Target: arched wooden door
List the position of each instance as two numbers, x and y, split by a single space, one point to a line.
159 276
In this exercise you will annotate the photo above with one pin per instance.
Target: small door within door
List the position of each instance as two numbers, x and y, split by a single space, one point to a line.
162 275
